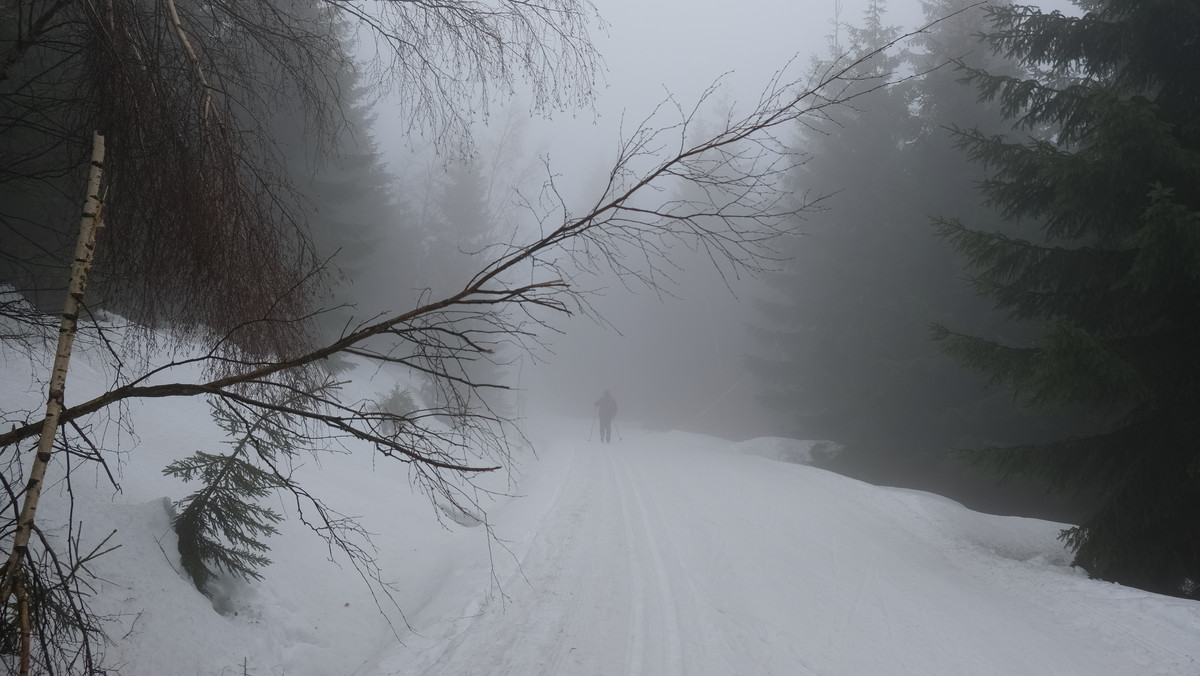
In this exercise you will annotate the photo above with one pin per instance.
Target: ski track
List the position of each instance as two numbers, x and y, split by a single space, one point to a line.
636 644
571 575
632 570
649 539
598 594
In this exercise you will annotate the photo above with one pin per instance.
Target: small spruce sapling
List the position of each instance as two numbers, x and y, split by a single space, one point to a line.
221 525
397 405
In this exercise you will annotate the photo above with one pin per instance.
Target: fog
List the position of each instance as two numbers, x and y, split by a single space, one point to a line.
672 359
676 356
418 260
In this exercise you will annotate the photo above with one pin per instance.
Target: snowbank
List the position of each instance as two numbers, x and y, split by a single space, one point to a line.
800 452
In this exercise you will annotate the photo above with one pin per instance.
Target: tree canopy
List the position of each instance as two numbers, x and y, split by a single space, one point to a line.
845 353
1106 265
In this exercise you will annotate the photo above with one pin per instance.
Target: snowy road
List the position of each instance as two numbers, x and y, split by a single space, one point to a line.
668 554
664 554
601 594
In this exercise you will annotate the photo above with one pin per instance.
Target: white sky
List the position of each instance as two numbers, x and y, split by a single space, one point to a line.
680 48
652 49
659 46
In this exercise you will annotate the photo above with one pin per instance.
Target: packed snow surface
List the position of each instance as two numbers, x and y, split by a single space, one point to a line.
659 554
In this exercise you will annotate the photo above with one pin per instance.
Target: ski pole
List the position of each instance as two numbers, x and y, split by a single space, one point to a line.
618 431
593 428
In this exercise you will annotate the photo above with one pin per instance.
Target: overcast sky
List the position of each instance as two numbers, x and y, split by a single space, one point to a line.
655 47
659 47
675 363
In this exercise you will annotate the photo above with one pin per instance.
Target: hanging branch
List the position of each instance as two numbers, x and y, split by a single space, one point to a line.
740 213
735 211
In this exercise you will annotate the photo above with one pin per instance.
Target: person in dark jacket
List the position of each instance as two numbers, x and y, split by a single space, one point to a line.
606 408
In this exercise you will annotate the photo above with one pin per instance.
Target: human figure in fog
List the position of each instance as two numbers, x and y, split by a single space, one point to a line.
606 408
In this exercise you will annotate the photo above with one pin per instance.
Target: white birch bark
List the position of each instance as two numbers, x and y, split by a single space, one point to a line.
84 248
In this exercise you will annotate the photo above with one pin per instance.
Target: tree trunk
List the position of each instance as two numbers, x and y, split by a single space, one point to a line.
23 612
14 578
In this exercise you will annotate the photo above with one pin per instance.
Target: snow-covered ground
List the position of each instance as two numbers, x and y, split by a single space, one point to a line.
662 553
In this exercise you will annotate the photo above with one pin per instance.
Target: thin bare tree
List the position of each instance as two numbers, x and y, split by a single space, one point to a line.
202 245
258 356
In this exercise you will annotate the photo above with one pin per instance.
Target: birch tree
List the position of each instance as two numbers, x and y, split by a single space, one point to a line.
12 574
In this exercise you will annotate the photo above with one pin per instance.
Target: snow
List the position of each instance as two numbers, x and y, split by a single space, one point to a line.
665 553
784 449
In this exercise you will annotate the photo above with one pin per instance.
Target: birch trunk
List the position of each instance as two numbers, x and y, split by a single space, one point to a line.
26 633
13 571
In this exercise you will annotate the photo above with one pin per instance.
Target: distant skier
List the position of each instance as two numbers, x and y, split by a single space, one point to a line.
606 407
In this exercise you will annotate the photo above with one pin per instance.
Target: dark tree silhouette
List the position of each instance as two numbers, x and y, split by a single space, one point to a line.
1110 278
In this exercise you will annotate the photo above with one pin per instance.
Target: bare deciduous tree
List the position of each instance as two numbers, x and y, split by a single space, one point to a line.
202 246
183 90
733 211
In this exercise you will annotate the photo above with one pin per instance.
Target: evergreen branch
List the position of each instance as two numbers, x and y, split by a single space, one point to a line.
1067 365
1074 465
220 525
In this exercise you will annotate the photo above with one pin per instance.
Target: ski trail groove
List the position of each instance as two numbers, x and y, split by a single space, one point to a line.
637 629
573 619
590 581
670 619
670 535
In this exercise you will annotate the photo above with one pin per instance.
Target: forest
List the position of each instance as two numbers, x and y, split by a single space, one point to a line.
961 250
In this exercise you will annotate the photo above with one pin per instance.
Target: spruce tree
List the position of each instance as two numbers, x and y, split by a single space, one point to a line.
812 368
847 355
1112 277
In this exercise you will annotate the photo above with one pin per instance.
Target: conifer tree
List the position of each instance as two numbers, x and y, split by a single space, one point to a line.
826 298
1112 280
344 190
849 330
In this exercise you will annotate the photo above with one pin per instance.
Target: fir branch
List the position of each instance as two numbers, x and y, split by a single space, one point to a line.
222 526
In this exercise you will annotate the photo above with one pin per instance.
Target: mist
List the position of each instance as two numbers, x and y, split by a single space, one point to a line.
672 357
706 350
362 285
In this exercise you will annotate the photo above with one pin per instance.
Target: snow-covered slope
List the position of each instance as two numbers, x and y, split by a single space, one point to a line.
665 553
